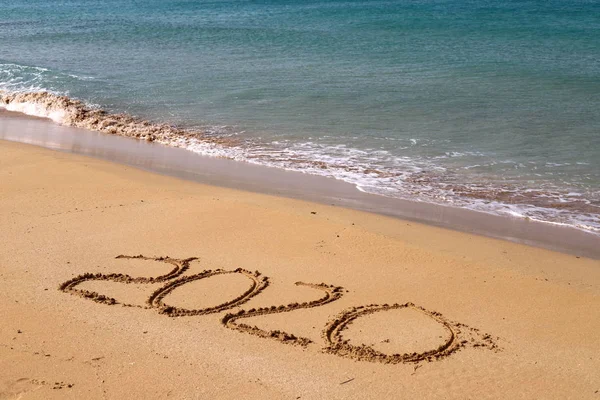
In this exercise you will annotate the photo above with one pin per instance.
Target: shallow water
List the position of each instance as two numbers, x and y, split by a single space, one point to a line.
485 105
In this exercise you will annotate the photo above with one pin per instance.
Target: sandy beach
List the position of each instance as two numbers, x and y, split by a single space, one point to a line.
120 283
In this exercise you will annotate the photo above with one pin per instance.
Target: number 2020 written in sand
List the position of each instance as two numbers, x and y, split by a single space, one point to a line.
458 335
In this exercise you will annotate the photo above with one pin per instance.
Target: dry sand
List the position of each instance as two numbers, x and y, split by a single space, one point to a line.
213 311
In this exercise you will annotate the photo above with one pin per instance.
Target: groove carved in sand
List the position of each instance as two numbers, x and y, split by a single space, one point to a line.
180 266
155 300
332 293
259 283
460 335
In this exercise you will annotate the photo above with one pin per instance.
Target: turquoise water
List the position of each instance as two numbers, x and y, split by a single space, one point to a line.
490 105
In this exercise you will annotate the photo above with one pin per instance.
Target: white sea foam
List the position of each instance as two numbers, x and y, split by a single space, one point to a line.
37 110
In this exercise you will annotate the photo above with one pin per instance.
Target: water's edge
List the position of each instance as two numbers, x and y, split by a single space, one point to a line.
403 181
187 165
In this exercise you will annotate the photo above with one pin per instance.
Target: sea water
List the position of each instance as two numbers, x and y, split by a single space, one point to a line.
488 105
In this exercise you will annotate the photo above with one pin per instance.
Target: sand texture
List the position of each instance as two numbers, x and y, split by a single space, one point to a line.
119 283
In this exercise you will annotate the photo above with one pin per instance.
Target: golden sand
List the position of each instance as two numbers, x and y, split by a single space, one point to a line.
119 283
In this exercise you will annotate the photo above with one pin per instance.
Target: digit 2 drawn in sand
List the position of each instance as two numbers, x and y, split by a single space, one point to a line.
70 286
332 293
460 335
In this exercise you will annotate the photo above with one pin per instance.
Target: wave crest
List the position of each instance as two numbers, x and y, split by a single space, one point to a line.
67 111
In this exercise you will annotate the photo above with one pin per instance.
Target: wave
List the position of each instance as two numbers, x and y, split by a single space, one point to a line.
71 112
376 172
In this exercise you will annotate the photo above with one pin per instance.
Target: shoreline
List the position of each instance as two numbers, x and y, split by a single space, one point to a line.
187 165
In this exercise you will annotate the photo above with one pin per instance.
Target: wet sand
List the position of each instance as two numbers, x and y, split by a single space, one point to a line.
185 164
122 283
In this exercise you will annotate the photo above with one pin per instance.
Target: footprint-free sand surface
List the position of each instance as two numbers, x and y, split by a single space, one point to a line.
120 283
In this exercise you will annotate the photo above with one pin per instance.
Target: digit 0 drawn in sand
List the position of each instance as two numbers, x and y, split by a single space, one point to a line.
332 293
180 266
460 335
259 283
